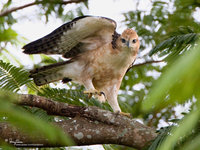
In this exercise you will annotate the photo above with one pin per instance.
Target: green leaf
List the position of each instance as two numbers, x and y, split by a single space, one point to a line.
181 80
11 77
75 97
148 19
194 144
86 4
178 132
8 35
162 134
6 5
116 147
174 43
48 59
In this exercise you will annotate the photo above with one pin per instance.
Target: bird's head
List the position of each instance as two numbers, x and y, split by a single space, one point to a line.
129 40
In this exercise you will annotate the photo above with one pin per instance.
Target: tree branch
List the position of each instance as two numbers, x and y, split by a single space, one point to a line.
6 12
88 125
148 62
145 63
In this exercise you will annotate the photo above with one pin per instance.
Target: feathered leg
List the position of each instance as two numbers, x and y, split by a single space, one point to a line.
111 94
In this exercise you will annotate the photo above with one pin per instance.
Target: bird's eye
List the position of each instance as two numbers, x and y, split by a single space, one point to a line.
123 40
134 41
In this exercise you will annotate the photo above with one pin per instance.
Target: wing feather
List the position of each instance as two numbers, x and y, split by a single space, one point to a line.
81 34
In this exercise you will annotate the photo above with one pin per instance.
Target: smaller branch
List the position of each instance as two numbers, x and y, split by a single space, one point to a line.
6 12
145 63
148 62
72 1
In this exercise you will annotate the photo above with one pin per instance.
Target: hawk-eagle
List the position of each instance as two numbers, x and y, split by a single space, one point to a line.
98 57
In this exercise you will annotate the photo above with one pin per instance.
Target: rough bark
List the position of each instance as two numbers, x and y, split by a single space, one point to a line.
88 125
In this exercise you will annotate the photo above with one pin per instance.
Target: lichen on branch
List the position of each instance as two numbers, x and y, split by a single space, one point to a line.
86 125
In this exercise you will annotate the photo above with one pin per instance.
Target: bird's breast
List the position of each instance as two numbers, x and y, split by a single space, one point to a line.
106 65
117 59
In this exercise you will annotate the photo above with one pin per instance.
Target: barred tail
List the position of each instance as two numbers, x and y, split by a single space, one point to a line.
50 73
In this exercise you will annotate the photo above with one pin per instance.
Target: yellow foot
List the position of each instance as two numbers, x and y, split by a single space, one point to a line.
125 114
93 92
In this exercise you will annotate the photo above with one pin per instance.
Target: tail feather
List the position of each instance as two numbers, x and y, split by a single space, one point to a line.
48 74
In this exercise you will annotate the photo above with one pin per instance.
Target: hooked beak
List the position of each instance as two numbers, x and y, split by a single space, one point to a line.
127 44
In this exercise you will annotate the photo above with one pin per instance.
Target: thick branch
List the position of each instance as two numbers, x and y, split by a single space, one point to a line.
6 12
64 109
89 125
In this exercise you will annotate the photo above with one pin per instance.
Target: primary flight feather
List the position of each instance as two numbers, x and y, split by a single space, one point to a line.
98 56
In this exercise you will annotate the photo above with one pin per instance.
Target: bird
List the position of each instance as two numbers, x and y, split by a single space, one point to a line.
97 56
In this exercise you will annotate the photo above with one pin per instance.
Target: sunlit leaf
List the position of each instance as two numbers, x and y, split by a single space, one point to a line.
185 73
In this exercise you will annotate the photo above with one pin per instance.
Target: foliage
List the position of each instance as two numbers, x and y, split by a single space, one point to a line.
28 122
161 22
169 33
163 133
71 96
116 147
12 78
177 44
47 8
171 86
56 7
175 85
16 80
172 35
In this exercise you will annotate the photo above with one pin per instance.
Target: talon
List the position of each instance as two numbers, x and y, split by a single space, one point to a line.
125 114
102 93
95 92
89 95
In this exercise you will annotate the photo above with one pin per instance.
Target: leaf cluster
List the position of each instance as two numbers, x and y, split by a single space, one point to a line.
12 78
177 44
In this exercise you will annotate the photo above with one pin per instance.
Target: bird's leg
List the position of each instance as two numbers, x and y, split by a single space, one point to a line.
90 90
113 102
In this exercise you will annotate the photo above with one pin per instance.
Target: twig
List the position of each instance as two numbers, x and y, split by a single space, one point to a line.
145 63
6 12
148 62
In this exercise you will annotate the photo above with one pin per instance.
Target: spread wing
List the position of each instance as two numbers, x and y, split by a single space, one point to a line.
81 34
